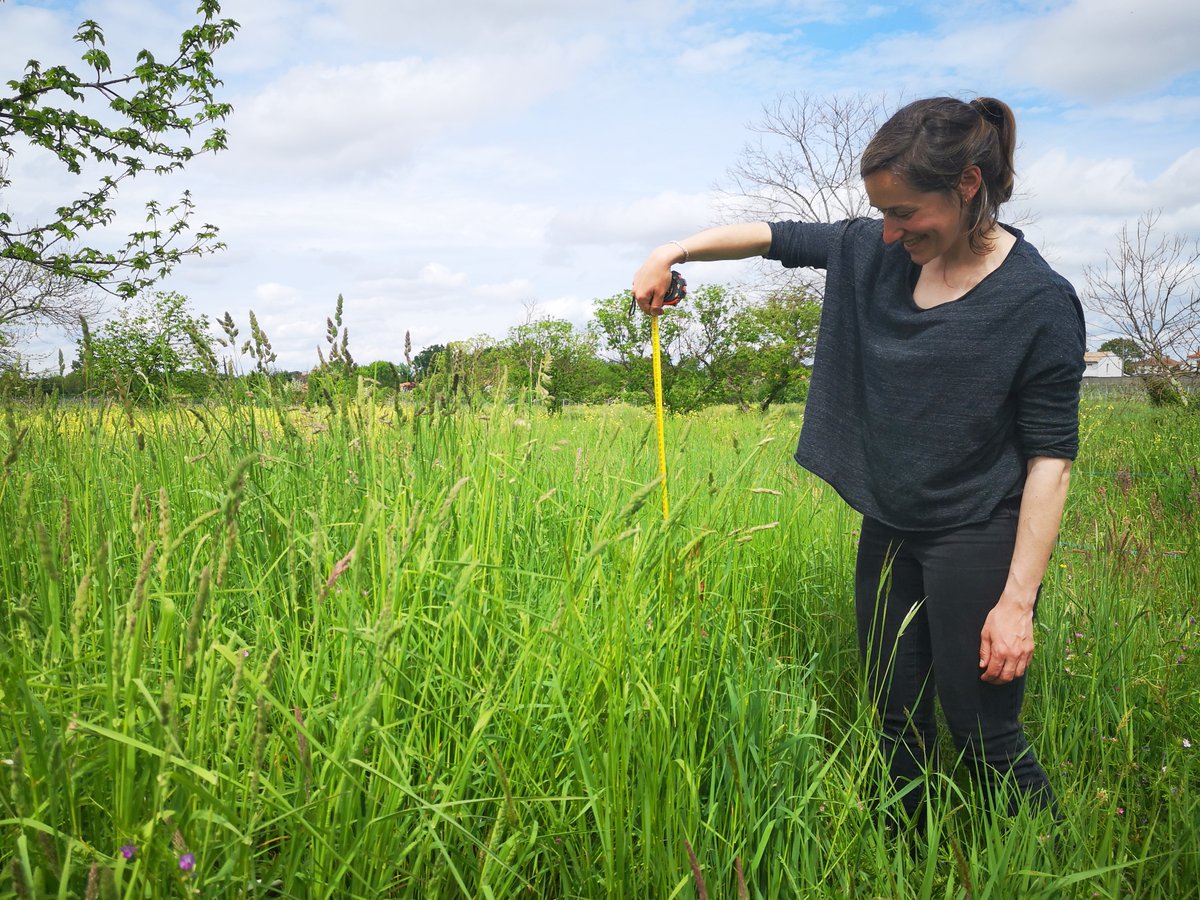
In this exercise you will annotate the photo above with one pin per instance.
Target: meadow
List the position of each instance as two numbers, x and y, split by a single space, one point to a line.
373 650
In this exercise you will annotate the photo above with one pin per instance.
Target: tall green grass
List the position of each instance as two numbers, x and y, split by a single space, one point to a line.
365 652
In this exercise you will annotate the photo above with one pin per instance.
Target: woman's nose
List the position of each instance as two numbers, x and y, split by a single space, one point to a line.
891 232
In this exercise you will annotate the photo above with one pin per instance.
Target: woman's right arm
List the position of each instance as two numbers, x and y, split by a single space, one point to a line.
740 241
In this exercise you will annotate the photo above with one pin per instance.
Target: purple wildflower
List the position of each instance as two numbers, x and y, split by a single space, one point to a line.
128 851
187 862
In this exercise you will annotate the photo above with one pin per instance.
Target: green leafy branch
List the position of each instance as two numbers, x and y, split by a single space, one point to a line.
159 106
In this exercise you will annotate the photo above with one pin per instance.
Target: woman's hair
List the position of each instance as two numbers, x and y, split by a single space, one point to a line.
930 142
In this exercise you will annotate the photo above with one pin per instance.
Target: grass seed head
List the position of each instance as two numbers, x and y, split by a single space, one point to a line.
46 551
20 886
197 617
64 533
79 609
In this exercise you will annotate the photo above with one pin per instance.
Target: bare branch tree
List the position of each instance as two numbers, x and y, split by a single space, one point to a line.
1149 290
803 164
32 298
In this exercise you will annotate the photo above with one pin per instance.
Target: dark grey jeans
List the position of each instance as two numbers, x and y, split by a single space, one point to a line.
954 578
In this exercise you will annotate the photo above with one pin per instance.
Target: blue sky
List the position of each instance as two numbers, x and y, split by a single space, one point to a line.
447 165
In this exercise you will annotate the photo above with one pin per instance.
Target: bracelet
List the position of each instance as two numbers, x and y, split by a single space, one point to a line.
681 247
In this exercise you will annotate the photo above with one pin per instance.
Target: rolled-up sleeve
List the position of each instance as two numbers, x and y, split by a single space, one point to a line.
802 243
1048 393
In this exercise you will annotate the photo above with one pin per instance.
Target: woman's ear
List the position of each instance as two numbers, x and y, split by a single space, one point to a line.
969 183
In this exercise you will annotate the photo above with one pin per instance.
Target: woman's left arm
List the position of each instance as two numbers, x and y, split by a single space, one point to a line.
1006 642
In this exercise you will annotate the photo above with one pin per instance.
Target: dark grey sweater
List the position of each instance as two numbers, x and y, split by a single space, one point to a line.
924 418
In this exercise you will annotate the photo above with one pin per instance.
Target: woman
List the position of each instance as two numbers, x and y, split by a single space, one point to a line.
944 407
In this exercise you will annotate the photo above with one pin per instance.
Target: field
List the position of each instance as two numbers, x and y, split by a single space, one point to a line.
365 652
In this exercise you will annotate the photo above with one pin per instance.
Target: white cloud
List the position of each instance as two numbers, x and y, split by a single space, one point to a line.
513 291
570 307
959 61
271 33
274 294
433 279
1101 48
641 221
33 33
718 55
1091 50
1169 109
1062 183
485 22
322 121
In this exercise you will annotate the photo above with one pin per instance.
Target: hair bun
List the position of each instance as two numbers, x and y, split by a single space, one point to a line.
991 109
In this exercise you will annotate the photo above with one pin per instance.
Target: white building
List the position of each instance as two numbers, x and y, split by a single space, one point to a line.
1102 364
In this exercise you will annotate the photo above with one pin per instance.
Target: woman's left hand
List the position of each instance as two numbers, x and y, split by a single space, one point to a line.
1006 642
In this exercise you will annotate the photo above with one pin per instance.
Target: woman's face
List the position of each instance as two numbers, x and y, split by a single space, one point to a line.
928 224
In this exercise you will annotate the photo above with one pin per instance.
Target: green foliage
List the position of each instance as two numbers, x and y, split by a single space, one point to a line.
158 115
1163 390
386 374
625 334
782 333
425 362
70 384
155 348
718 347
550 359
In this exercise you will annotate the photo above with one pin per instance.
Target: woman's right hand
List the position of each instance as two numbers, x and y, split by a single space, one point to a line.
652 281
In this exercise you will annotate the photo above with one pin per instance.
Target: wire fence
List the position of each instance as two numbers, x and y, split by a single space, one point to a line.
1133 386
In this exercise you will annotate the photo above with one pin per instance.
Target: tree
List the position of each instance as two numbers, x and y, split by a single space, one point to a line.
621 330
387 375
803 164
782 331
31 297
1128 352
155 347
553 354
157 117
1149 290
624 332
715 340
425 362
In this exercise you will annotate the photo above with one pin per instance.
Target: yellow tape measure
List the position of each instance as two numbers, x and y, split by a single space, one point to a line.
658 412
676 292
